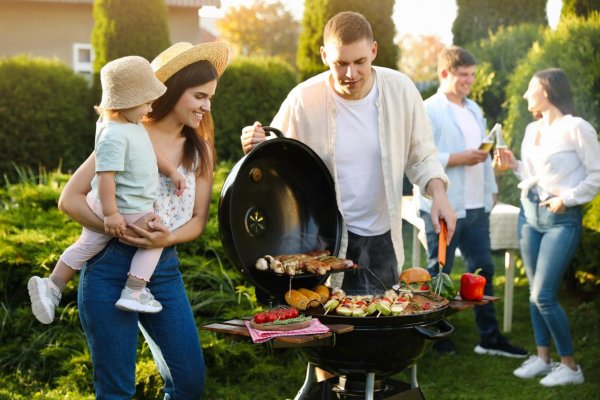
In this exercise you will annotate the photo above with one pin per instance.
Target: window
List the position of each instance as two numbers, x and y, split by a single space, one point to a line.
83 58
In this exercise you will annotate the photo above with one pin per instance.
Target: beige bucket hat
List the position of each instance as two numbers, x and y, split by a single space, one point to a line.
128 82
182 54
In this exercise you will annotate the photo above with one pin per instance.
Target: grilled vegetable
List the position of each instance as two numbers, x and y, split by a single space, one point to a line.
314 298
323 292
296 299
447 286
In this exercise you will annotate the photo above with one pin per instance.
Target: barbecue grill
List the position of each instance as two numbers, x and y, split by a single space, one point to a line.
280 199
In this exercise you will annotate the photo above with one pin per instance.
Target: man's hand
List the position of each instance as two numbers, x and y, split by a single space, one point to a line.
114 225
251 136
470 157
178 181
441 208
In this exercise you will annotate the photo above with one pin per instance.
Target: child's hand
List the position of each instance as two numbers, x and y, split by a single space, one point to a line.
179 182
114 225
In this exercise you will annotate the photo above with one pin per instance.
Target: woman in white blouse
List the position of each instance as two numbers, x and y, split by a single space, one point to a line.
559 171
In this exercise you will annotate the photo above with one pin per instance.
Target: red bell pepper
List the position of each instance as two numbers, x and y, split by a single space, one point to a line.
472 285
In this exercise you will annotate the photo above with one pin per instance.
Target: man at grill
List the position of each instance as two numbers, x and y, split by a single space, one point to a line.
458 130
369 126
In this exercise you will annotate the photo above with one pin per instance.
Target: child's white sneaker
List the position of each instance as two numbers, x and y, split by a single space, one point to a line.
138 300
563 375
533 366
44 299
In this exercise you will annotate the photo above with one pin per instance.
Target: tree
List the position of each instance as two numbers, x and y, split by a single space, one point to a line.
581 8
125 28
317 13
476 18
261 29
419 56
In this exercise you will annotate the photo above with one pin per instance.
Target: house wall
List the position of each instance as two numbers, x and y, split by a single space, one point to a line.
50 29
44 29
184 25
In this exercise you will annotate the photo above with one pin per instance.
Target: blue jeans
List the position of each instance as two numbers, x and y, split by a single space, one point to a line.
112 334
547 242
472 237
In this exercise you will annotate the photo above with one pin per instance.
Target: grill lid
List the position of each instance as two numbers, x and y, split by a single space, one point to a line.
278 199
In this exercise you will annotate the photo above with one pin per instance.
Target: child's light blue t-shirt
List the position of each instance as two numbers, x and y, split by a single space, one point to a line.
126 149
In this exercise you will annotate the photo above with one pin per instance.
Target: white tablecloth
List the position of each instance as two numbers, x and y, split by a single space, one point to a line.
503 227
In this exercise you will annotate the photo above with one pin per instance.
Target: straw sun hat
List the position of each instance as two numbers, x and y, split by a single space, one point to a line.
128 82
182 54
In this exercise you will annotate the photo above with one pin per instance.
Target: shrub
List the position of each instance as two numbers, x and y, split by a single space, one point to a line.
497 56
46 115
572 47
252 89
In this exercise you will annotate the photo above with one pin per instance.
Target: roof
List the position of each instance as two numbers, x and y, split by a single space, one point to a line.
170 3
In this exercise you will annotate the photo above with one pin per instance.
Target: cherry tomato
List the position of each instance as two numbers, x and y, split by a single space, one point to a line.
271 316
293 312
425 287
260 318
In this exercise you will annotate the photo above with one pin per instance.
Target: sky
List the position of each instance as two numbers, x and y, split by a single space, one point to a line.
422 17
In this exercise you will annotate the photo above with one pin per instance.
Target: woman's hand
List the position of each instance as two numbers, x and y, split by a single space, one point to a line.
504 159
158 236
554 204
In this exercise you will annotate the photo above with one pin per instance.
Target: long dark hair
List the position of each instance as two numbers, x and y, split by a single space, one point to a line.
199 143
556 84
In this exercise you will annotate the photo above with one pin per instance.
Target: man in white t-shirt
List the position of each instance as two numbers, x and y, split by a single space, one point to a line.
458 129
369 126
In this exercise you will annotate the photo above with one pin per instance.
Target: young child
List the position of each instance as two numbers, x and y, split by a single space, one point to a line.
123 190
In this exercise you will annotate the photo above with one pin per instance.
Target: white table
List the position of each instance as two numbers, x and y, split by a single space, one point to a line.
503 236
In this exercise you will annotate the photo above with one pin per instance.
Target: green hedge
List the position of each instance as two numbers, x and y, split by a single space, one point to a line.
46 115
251 89
572 47
497 56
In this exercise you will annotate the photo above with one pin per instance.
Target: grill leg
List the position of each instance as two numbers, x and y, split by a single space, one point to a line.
308 382
370 386
413 377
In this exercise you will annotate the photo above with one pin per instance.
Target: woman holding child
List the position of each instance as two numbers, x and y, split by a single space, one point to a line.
180 128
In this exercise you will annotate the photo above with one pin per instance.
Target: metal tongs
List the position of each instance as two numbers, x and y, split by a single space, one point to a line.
442 244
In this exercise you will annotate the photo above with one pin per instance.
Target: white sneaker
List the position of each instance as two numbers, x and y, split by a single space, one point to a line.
563 375
44 299
533 366
138 300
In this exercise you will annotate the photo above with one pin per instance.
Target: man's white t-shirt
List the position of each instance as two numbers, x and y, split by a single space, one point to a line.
474 182
358 165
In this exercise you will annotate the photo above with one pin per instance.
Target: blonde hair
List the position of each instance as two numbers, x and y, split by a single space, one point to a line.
347 27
